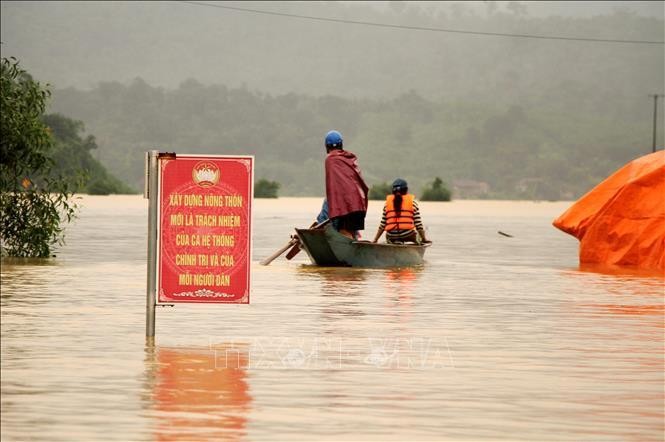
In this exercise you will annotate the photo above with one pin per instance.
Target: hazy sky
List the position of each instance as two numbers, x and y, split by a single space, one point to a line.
83 43
566 8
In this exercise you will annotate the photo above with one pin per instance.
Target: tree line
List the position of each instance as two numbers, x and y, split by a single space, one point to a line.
512 151
44 161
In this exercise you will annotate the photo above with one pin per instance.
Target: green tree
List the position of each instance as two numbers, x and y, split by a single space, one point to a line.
72 156
437 191
34 204
266 189
379 191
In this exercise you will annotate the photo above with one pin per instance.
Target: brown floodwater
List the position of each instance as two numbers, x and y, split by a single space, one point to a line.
493 338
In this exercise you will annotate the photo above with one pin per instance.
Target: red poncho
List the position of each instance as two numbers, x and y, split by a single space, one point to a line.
346 190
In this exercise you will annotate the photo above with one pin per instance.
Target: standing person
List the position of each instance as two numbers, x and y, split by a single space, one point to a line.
346 191
401 217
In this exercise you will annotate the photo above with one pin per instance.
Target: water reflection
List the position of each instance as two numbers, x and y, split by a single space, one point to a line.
401 284
622 318
342 289
606 269
198 393
621 290
632 310
335 280
20 274
9 261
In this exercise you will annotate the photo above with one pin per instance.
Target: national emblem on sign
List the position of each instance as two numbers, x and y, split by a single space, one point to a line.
205 174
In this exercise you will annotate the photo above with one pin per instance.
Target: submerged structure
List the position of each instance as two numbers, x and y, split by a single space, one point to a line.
621 221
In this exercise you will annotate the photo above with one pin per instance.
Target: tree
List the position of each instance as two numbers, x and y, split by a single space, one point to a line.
72 156
266 189
33 203
437 191
379 191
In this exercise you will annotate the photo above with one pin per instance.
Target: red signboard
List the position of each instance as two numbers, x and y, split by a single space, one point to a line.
205 207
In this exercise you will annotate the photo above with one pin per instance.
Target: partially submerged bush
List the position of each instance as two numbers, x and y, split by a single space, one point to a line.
266 189
437 191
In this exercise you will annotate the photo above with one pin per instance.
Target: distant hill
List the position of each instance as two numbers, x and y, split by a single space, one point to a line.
511 152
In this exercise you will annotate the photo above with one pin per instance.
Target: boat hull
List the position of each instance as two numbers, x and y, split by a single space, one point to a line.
327 247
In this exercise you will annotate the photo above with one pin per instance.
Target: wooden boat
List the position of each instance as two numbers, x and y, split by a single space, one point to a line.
327 247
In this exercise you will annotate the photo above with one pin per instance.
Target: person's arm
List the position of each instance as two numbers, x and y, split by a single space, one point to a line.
382 226
419 223
323 215
378 234
421 232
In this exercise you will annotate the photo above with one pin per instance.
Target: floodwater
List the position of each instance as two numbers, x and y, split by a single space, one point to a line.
494 338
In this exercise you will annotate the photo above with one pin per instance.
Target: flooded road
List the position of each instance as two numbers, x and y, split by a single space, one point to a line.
494 338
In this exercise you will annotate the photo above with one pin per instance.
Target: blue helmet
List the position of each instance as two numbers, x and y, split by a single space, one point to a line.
334 140
399 185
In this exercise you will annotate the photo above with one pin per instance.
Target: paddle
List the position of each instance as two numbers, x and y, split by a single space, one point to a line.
274 256
294 242
294 251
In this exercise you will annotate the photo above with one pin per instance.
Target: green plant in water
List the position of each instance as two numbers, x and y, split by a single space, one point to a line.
437 191
379 191
266 189
34 204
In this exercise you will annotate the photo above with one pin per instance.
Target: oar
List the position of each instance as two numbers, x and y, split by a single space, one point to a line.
293 242
274 256
294 251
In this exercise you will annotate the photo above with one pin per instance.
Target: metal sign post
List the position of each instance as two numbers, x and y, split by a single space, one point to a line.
655 118
150 192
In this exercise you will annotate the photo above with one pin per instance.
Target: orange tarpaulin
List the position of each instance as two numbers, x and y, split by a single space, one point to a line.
621 221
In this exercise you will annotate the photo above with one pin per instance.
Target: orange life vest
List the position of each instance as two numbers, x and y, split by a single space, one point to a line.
405 219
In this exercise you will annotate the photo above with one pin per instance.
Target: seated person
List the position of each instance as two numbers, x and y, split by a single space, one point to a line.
401 217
